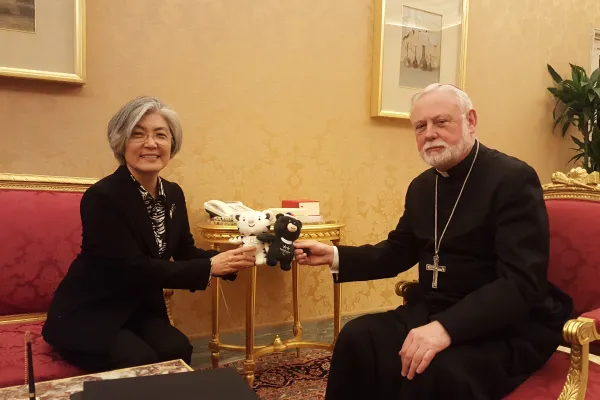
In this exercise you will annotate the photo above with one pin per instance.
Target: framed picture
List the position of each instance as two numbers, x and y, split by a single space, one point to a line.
416 43
595 50
43 39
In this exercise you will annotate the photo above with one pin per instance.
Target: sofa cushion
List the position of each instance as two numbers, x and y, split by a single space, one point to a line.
47 364
43 239
574 258
548 382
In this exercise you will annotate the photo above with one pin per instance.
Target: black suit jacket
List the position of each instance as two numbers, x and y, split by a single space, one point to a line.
496 250
118 272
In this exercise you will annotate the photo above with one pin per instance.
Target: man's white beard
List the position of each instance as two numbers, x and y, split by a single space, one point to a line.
451 154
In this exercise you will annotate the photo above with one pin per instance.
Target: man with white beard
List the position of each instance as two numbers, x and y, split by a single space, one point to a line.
483 317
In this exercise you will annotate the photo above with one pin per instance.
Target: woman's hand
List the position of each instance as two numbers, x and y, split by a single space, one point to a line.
231 261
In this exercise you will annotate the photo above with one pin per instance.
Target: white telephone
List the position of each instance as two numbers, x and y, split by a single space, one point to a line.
226 209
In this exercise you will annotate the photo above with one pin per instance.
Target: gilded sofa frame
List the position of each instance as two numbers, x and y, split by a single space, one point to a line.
56 184
580 332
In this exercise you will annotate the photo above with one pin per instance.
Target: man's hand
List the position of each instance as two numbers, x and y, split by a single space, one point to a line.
318 253
420 346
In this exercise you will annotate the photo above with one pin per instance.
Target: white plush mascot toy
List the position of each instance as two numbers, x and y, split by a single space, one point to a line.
250 224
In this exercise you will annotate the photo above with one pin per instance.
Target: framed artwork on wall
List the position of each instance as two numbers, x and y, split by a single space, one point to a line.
415 43
595 50
42 39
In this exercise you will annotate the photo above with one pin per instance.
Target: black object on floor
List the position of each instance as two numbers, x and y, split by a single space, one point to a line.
213 384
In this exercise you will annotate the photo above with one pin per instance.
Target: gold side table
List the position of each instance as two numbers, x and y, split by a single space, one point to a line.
218 234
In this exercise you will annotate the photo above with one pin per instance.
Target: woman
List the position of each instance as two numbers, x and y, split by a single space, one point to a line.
109 312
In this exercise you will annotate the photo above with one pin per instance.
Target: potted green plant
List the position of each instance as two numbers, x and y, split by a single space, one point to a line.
578 104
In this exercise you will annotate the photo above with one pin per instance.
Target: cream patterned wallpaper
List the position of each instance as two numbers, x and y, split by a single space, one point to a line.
274 98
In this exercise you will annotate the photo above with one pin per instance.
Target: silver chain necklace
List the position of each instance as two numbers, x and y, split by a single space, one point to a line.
436 267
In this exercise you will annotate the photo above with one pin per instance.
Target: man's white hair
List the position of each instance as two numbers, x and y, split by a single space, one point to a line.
465 102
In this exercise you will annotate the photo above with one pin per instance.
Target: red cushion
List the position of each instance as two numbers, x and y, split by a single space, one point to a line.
41 235
595 315
574 256
548 382
47 364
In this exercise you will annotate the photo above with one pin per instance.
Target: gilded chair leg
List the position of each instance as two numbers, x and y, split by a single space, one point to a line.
167 296
578 333
576 383
169 313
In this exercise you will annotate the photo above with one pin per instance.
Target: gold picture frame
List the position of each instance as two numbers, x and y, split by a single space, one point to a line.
48 45
415 43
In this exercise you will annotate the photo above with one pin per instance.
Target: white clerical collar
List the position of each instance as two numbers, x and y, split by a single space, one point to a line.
442 173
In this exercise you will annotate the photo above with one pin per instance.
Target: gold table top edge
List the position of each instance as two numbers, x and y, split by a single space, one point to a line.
208 227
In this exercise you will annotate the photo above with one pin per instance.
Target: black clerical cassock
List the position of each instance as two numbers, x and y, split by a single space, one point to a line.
490 293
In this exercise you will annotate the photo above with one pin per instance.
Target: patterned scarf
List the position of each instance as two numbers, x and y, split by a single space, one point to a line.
156 211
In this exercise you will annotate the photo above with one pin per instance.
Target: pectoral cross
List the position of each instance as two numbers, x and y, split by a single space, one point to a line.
436 268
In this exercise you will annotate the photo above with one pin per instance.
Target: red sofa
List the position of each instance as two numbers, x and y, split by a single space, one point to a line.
40 236
573 203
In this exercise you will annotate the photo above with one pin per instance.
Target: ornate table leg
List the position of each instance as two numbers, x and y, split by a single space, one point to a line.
337 299
297 325
249 364
337 317
213 345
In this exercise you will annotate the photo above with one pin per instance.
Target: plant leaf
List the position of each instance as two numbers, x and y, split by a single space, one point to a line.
589 86
565 128
594 77
564 115
554 113
578 73
576 157
578 103
554 91
577 141
555 76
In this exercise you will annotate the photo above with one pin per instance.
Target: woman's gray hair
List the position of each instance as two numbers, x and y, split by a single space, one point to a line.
465 102
122 123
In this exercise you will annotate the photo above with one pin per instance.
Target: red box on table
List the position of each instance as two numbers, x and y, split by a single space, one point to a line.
311 206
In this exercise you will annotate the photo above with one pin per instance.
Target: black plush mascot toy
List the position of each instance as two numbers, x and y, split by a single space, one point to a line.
287 229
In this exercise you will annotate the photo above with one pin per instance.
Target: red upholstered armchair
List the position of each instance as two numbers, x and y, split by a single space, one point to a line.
573 202
39 237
